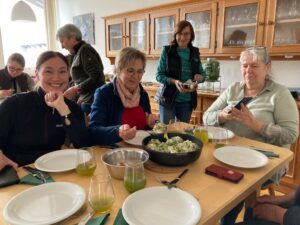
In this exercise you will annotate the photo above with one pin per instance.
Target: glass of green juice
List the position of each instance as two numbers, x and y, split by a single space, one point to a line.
134 177
201 132
85 162
101 193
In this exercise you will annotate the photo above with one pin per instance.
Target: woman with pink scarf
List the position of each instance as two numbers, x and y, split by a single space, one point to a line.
122 107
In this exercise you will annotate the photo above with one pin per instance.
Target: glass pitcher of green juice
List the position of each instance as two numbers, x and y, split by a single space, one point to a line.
134 177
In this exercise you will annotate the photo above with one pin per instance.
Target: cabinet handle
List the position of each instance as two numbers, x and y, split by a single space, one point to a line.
288 56
261 23
232 57
271 22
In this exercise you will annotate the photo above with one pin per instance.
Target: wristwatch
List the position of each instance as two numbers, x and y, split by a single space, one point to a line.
67 119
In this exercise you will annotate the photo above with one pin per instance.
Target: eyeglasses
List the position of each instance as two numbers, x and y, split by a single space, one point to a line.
14 69
184 34
132 71
257 48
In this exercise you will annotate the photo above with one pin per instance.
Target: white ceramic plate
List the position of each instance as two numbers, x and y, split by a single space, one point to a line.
163 206
44 204
240 157
137 140
221 131
57 161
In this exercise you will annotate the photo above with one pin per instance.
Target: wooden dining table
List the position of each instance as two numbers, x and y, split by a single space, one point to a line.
216 196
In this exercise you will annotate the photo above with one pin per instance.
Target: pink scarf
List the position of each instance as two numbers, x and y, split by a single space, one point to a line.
129 99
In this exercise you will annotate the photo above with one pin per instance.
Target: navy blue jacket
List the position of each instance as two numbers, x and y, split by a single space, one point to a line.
105 117
29 128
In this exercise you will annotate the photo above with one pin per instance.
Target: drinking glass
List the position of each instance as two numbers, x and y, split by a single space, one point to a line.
174 125
220 137
201 132
134 177
101 193
85 162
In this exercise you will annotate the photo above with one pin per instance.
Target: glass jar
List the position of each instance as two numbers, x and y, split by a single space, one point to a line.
212 70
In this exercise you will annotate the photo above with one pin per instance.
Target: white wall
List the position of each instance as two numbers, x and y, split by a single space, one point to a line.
285 72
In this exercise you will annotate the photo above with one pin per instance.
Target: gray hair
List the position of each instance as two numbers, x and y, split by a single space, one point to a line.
258 52
16 57
127 55
68 31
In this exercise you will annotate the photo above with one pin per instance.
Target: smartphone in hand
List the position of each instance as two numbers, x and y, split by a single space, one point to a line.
245 101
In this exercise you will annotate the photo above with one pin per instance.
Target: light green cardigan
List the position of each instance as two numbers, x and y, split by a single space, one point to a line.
274 105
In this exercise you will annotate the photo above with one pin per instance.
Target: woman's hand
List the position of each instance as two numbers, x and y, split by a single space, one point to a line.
4 161
6 93
127 133
245 117
151 119
198 77
180 88
57 101
225 115
71 93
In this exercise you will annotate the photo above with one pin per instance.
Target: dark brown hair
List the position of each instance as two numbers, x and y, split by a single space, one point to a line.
45 56
17 57
179 28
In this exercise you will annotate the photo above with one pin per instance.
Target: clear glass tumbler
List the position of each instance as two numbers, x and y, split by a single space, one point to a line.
85 162
101 193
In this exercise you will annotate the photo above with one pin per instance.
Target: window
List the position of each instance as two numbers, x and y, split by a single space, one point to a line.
27 38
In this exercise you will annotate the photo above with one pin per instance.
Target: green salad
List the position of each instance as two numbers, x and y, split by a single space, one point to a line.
172 145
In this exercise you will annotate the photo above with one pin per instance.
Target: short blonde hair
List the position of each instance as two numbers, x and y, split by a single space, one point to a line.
127 55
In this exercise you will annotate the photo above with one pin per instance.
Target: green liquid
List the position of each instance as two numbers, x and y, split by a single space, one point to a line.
202 135
86 169
134 186
102 205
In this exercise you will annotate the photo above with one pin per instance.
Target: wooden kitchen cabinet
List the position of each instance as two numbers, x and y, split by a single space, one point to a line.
222 27
162 29
238 25
129 31
203 17
271 23
282 27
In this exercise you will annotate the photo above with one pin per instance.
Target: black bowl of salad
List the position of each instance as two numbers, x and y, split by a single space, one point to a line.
178 149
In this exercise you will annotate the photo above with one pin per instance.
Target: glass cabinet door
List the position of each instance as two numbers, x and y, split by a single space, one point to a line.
202 16
115 31
201 24
137 32
242 23
162 25
284 23
287 25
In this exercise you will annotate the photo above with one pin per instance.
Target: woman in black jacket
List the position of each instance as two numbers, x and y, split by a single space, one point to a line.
38 122
179 62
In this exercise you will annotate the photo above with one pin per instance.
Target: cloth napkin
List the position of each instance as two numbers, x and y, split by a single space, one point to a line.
29 179
98 220
120 219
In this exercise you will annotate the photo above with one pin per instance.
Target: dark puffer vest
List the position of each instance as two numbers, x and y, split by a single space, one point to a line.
167 93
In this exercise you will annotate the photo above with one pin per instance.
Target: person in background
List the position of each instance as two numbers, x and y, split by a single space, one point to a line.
39 121
86 68
274 210
13 79
178 63
265 118
122 106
